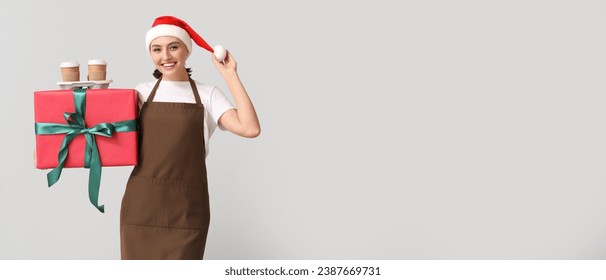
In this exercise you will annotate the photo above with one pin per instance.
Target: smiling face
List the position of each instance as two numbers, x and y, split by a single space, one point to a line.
169 55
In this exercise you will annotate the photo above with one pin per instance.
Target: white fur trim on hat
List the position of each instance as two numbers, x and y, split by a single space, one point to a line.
168 30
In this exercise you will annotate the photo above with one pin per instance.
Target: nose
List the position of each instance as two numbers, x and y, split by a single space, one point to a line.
166 55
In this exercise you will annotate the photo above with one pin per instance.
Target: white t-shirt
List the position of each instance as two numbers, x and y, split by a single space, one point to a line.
214 101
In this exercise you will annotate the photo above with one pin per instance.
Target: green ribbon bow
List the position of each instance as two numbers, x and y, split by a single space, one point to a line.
75 126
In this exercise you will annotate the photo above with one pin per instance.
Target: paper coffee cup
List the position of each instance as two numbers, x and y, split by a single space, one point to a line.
97 70
70 71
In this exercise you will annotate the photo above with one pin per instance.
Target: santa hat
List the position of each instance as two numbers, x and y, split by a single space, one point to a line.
172 26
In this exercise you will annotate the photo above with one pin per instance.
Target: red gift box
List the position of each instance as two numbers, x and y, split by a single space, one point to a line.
102 106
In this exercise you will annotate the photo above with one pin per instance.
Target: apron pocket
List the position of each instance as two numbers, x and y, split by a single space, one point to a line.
144 202
187 206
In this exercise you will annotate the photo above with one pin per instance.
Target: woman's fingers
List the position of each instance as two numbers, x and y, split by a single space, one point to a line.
228 63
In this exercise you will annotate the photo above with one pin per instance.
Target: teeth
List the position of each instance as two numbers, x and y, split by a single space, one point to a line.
168 64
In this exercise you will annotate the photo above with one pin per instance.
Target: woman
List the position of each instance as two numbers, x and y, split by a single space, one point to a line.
165 210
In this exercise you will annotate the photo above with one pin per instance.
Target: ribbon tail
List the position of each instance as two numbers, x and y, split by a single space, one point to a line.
88 149
53 176
94 177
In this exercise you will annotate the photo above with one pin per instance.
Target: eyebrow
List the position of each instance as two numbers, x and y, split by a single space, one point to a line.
174 42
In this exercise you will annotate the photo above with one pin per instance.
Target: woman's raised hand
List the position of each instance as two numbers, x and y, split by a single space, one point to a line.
227 65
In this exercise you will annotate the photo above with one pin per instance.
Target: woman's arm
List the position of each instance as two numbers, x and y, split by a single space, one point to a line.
243 121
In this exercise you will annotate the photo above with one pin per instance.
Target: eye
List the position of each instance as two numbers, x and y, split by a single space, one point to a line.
174 47
155 50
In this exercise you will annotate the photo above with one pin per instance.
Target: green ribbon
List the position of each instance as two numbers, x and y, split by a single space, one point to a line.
75 126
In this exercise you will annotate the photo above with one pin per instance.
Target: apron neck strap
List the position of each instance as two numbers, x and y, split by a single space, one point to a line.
152 95
195 89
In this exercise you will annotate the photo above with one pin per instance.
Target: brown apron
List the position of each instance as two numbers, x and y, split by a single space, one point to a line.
165 209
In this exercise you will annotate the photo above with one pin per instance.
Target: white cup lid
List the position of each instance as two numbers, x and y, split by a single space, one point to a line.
70 64
97 62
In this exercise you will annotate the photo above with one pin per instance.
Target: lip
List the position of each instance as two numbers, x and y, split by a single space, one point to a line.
172 65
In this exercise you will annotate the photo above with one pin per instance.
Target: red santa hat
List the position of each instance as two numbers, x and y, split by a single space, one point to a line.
172 26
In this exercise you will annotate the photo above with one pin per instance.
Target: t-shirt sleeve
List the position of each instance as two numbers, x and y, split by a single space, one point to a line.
219 104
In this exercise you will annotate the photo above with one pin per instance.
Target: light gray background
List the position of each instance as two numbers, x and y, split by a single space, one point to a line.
390 129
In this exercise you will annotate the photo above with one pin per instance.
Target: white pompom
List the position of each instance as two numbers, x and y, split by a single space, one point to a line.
220 52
